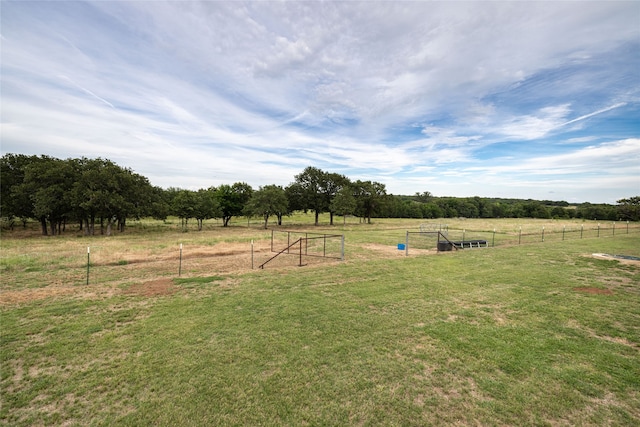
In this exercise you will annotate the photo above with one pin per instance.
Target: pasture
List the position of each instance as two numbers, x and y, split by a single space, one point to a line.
528 332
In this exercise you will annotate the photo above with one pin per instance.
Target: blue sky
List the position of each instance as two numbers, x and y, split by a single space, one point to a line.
525 100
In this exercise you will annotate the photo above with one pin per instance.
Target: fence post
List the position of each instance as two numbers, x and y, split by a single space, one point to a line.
324 245
342 248
563 230
581 230
493 242
406 244
88 262
300 265
520 235
598 229
543 233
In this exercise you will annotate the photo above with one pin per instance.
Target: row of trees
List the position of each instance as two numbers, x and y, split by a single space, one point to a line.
425 206
97 192
56 191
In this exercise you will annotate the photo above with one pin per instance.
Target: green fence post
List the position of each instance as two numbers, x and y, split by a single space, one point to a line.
520 235
88 262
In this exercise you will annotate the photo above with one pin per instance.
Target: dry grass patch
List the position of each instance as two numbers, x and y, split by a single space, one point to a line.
152 288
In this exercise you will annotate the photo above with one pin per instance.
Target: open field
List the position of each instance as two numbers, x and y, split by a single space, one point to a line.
537 333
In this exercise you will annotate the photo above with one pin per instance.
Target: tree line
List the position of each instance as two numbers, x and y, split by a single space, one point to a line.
99 195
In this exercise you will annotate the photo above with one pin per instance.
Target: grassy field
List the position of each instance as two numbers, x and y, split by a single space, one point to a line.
541 333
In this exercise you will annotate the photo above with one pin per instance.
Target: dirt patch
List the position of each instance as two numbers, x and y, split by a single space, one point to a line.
622 259
152 288
390 250
26 295
596 291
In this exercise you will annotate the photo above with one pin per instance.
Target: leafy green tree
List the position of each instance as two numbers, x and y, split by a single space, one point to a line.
232 200
139 196
344 203
431 210
48 182
559 212
15 201
160 207
206 206
96 193
108 192
295 197
311 184
629 209
333 183
267 201
424 197
449 207
184 206
370 197
534 209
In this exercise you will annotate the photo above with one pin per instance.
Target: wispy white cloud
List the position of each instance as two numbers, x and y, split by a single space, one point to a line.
595 113
201 93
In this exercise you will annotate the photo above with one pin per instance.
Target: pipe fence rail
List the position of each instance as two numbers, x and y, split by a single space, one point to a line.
448 238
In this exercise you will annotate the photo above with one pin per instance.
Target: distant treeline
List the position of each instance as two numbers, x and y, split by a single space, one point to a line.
98 193
426 206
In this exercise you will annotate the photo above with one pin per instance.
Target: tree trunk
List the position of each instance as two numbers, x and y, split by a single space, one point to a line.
266 219
317 218
330 218
43 224
109 224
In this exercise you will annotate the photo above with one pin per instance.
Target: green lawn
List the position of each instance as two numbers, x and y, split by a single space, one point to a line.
511 335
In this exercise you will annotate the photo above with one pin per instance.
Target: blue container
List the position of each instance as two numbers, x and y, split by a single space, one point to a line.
401 246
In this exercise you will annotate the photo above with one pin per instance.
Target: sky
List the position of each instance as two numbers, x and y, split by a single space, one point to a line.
527 100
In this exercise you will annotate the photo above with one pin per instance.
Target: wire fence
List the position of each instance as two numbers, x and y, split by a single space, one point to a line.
448 238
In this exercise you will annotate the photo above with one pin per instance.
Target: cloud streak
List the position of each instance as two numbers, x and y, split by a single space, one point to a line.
194 94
